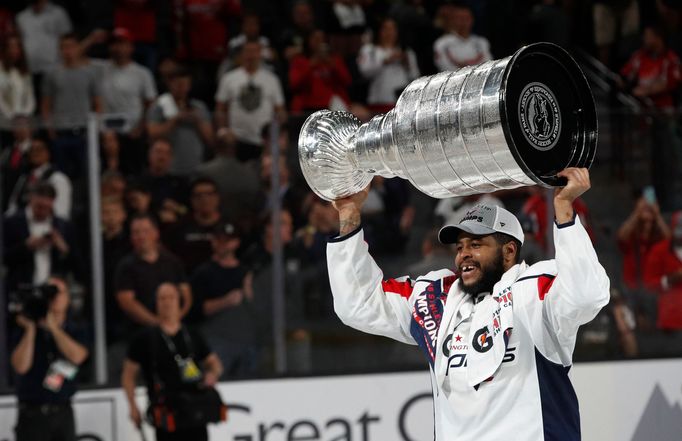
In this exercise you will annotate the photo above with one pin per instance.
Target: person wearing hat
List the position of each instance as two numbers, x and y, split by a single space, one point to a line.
498 334
224 293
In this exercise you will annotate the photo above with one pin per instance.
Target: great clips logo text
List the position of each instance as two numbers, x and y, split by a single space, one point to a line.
360 427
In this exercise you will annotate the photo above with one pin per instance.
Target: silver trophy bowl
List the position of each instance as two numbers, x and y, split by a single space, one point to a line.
499 125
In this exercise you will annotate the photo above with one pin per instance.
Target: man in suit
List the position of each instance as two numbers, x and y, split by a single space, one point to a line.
37 243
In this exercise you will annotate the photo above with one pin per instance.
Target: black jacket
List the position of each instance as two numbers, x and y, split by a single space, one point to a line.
19 259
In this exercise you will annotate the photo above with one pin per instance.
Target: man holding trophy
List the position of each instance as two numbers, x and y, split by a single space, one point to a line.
498 334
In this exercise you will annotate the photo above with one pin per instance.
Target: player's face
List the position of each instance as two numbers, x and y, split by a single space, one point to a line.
479 262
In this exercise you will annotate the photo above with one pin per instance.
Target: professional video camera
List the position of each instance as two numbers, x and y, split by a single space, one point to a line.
33 301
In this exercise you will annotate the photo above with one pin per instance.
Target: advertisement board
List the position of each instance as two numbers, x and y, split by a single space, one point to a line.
624 401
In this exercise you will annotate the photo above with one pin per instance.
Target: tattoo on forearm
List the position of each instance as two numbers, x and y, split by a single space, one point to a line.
348 225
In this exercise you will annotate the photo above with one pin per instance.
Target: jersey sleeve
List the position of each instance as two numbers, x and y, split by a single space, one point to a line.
577 293
362 298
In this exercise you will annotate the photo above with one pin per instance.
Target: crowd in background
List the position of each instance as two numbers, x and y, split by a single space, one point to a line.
188 89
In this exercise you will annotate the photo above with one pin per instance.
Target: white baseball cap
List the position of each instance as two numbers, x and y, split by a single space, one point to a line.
482 220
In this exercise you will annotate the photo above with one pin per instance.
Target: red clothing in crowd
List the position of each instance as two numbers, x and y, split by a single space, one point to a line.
314 84
201 27
536 207
645 69
6 23
662 262
635 254
138 17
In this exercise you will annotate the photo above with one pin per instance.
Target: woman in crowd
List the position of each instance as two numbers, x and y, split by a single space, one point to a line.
319 79
16 90
388 66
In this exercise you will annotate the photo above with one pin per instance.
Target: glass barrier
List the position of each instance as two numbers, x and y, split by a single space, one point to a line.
245 239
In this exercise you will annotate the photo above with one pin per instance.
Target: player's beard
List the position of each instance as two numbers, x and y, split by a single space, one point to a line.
490 276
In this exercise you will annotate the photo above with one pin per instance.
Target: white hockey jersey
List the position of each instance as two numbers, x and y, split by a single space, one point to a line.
529 397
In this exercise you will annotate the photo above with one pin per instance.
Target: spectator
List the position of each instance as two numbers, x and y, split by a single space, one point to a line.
653 75
172 359
202 31
531 252
643 229
653 72
167 68
248 98
663 276
458 47
14 156
416 30
16 88
435 255
116 245
388 215
46 360
41 169
7 26
141 272
110 155
347 23
38 243
535 207
185 122
42 25
637 236
251 32
70 92
323 223
238 183
318 79
140 18
223 288
389 67
168 191
127 91
612 17
191 238
259 258
113 185
293 39
138 199
611 334
290 197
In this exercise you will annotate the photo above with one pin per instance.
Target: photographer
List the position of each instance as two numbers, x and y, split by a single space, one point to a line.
181 393
46 361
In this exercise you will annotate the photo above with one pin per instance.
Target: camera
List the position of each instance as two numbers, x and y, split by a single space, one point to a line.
33 301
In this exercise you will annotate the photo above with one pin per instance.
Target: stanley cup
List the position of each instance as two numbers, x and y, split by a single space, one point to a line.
499 125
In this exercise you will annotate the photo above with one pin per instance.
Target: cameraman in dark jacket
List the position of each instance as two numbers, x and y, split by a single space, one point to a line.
46 361
172 359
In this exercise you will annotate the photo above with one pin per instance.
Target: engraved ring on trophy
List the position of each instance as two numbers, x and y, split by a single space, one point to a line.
499 125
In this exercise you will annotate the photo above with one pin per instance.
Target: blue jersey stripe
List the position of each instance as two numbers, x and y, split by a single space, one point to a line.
560 415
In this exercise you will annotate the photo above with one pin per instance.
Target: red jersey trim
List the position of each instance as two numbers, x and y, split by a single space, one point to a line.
544 284
403 289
